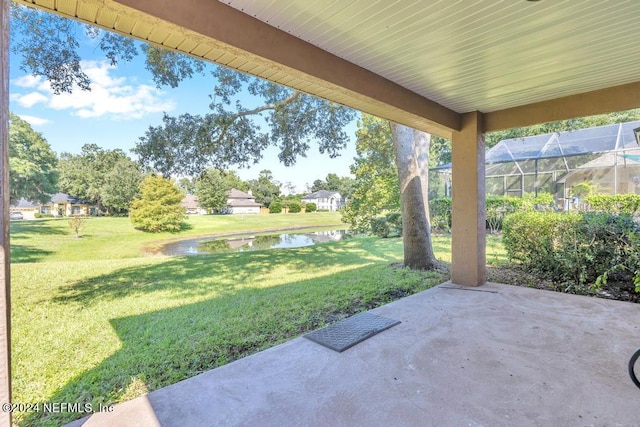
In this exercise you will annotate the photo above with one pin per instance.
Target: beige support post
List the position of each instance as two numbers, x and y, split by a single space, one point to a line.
5 318
468 252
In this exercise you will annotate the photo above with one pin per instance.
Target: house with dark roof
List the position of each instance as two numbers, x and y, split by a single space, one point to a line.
325 200
59 205
62 204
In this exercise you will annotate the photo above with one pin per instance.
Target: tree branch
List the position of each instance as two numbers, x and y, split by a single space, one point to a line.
258 110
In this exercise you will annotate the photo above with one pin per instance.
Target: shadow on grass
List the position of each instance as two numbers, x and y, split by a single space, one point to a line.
199 275
23 229
24 254
166 346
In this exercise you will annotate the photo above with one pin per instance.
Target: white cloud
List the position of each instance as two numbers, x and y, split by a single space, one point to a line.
30 99
27 81
112 97
33 120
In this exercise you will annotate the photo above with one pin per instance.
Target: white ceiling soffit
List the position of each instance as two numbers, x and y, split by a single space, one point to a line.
466 55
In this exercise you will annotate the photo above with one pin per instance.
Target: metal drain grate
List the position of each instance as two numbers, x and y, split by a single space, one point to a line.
349 332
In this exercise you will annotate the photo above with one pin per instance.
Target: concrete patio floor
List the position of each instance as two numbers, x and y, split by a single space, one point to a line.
489 356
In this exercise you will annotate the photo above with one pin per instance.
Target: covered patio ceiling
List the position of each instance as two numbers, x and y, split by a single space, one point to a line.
419 63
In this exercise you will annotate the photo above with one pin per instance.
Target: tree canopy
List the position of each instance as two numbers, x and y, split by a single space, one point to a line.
376 184
212 188
32 163
343 185
107 178
265 189
233 133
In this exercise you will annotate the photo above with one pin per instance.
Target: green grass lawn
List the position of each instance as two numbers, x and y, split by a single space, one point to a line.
95 321
115 238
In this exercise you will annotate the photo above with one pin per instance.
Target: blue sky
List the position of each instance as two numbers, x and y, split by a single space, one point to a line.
124 102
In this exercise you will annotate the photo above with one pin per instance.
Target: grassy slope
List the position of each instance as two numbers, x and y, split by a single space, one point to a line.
95 322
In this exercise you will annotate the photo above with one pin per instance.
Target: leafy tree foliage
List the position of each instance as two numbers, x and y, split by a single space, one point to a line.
212 188
121 185
265 189
233 134
32 163
318 185
47 46
159 207
107 178
376 184
343 185
186 185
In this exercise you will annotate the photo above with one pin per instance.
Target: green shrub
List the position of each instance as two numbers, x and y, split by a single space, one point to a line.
394 219
159 207
37 215
498 207
575 249
440 211
275 207
294 207
380 227
542 202
310 207
620 203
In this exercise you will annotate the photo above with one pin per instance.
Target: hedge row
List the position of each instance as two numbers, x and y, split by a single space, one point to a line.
576 249
620 203
497 208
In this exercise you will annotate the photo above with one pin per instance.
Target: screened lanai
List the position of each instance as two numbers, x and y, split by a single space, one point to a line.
607 157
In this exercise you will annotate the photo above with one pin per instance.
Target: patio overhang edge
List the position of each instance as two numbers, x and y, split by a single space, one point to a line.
608 100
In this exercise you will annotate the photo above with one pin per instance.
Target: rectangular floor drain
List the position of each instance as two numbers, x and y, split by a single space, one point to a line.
351 331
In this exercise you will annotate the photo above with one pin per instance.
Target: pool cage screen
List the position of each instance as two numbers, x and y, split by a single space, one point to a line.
606 157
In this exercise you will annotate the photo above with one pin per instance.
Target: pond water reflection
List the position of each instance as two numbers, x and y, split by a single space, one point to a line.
213 245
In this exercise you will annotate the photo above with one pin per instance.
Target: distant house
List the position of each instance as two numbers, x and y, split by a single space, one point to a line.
26 208
238 202
325 200
191 205
62 204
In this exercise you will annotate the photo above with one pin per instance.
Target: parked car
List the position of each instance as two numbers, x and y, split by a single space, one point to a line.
16 215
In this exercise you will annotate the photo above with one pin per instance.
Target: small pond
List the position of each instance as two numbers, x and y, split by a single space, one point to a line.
286 239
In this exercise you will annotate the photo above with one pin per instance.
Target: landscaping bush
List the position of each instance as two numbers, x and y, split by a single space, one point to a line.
275 207
440 211
575 249
394 219
37 215
498 207
380 227
310 207
389 225
295 207
620 203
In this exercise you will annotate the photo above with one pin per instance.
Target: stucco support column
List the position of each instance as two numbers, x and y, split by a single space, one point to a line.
468 231
5 318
